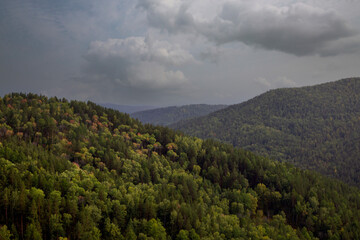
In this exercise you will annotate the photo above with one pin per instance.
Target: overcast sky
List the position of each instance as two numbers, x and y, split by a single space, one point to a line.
175 52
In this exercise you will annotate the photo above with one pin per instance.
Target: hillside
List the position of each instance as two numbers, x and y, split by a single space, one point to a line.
169 115
75 170
315 127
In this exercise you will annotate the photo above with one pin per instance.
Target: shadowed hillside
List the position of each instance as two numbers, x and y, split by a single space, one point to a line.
315 127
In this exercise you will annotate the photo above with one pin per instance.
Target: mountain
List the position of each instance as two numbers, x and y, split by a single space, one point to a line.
315 127
126 108
75 170
169 115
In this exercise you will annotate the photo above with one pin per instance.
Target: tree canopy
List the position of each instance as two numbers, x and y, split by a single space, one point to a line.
315 127
75 170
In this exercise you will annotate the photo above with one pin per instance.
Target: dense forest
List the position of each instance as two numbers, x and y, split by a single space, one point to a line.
315 127
169 115
75 170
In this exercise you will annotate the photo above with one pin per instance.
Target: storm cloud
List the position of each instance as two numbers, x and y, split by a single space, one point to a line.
174 52
138 62
297 28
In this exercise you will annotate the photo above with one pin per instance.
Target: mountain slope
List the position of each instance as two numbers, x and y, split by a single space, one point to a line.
75 170
170 115
315 127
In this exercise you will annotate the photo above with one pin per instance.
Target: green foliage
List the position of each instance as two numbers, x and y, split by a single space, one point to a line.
316 127
5 234
86 172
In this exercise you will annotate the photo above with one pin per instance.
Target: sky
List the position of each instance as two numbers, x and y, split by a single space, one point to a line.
175 52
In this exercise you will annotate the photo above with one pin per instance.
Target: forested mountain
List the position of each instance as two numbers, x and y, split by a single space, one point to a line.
315 127
127 108
75 170
169 115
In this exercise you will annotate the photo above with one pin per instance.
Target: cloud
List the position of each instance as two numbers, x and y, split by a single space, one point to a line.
298 28
138 62
212 54
171 15
344 45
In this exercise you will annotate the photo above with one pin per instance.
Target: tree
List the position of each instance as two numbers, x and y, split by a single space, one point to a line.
32 232
155 229
6 199
54 202
5 234
183 235
56 226
112 230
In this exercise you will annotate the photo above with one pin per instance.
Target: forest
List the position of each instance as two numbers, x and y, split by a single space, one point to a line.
76 170
316 127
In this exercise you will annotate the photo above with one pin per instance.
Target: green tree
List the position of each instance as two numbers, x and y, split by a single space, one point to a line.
5 234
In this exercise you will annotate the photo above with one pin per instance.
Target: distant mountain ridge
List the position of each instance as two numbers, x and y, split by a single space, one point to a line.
316 127
126 108
170 115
